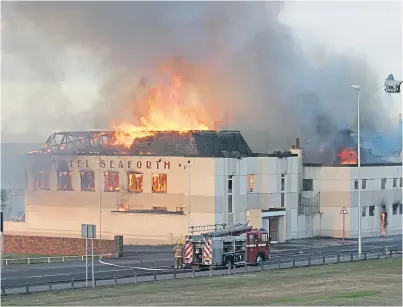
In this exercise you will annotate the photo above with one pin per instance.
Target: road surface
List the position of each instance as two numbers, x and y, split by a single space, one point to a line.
143 259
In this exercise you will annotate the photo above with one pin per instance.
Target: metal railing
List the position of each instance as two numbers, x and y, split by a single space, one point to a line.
36 260
136 277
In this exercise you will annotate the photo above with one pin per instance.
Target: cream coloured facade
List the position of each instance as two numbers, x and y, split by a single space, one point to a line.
277 192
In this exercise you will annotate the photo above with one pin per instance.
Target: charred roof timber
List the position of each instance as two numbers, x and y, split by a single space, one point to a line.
167 143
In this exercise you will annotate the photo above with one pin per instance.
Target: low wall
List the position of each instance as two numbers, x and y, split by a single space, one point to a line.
56 246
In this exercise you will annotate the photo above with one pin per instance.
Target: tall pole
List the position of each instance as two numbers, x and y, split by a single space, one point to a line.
188 167
100 198
92 262
86 261
2 240
357 87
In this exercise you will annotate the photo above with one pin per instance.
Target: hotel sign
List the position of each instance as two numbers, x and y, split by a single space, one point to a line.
113 164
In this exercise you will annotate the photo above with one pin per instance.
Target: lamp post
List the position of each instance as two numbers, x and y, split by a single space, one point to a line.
357 88
100 197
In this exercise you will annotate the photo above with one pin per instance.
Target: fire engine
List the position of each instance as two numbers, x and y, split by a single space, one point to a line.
225 246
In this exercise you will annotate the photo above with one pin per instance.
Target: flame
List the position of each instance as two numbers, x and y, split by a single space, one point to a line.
168 107
348 156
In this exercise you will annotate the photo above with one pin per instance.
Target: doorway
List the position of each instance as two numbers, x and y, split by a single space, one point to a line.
273 229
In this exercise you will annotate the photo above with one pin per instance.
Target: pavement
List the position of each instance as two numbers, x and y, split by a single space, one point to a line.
147 260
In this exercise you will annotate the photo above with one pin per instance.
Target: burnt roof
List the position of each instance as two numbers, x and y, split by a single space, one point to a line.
198 143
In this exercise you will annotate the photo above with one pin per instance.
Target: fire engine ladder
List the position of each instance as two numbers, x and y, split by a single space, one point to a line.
201 228
236 229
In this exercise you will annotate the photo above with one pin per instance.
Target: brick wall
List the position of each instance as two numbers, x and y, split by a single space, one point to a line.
55 246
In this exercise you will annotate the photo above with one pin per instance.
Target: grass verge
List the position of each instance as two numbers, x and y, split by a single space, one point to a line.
371 283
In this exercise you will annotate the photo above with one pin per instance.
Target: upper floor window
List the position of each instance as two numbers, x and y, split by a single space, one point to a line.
229 184
355 184
41 180
87 181
251 183
401 182
395 182
307 184
229 203
363 211
160 182
64 181
383 183
111 182
282 182
135 182
395 208
364 184
282 200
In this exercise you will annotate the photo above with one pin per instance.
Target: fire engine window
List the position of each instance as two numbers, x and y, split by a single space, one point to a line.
87 181
395 208
135 182
371 211
251 183
41 180
111 182
252 239
265 237
160 183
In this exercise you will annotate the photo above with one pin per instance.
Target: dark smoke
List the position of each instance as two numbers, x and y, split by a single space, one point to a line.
244 62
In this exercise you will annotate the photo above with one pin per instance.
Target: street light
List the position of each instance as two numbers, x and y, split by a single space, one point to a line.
357 88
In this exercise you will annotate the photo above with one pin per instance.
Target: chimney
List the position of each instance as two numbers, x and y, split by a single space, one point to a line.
297 143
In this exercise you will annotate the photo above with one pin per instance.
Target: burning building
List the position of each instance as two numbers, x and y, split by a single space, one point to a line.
153 189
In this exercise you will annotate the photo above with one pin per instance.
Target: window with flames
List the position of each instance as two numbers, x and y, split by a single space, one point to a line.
160 183
41 180
111 182
64 181
135 182
87 181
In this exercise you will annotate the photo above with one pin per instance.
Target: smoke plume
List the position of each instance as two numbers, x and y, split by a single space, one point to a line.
244 63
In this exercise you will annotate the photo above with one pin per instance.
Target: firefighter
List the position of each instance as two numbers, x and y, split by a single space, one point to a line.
178 249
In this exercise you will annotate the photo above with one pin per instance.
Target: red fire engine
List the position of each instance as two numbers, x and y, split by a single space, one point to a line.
226 246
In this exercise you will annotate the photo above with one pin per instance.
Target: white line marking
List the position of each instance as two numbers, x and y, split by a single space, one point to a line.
130 267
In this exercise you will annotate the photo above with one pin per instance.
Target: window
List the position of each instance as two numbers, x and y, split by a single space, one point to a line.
111 182
64 181
364 211
395 208
401 182
355 184
282 182
364 184
282 200
251 238
87 181
395 182
371 211
265 237
307 184
400 208
135 182
251 183
41 180
383 183
229 184
160 182
229 203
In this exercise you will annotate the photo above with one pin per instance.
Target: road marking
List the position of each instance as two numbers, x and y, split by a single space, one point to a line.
131 267
6 270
